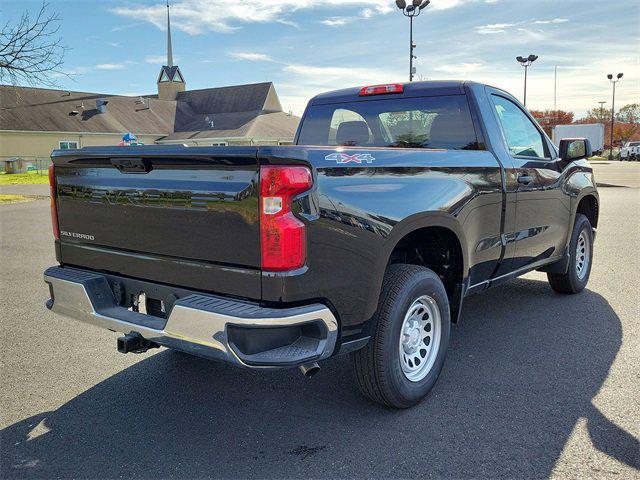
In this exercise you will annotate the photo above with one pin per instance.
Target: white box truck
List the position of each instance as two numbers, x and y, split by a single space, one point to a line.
593 131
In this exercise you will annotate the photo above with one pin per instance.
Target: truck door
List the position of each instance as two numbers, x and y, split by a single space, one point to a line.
542 209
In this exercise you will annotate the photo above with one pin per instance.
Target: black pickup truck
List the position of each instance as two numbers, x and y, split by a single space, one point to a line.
395 203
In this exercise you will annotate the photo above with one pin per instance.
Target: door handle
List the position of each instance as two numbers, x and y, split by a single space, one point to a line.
525 179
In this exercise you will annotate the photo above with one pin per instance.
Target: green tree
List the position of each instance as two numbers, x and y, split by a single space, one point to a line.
629 114
599 114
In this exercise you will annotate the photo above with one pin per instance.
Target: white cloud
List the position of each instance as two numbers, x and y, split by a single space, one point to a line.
445 4
337 21
531 35
121 28
114 44
367 13
199 16
494 28
331 78
460 68
109 66
73 71
552 21
251 56
159 59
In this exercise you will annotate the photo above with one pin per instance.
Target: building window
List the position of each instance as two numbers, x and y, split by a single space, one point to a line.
68 145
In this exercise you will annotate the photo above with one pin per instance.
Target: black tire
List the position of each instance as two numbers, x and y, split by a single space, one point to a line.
570 282
377 366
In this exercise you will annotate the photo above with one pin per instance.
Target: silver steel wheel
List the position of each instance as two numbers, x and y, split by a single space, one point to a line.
420 338
583 255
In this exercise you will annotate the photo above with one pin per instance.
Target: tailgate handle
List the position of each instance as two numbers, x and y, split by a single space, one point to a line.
132 165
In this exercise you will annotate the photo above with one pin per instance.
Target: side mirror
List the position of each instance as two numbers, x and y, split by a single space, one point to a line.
575 148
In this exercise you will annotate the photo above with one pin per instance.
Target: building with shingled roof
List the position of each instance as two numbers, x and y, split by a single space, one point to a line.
35 121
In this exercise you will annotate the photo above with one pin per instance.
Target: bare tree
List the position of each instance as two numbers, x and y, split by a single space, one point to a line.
31 51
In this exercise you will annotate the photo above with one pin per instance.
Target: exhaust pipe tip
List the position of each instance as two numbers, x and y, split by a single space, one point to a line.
308 370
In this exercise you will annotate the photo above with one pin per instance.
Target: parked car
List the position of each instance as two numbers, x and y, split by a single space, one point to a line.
396 203
592 131
630 151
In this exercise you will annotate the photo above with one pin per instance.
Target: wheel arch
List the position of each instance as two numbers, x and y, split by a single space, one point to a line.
588 204
421 227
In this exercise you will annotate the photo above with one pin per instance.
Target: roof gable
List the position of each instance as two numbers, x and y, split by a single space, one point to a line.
239 98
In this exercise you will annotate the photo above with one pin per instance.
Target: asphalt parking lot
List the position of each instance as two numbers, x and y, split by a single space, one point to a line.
536 384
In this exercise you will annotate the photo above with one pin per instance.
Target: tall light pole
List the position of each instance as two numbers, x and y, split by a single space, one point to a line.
412 10
613 108
526 63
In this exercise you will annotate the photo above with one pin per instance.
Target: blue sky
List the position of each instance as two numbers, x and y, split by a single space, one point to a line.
309 46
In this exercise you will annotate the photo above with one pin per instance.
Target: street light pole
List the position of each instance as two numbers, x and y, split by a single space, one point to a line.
412 47
613 108
526 63
411 11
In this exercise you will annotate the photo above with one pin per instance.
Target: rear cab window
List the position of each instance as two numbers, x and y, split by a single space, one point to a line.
439 122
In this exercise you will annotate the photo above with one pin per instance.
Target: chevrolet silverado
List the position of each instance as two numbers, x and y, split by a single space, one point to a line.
395 203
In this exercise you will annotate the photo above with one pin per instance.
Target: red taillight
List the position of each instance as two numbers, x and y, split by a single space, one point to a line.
54 208
282 235
382 89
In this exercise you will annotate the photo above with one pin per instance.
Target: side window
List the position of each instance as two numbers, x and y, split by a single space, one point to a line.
523 138
348 128
68 145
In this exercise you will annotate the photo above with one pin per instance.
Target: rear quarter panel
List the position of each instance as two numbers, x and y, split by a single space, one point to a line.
357 212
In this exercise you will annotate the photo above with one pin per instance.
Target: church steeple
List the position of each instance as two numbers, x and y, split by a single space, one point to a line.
169 49
170 81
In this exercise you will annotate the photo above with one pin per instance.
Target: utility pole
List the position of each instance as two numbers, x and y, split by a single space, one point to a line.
411 11
613 108
602 108
555 88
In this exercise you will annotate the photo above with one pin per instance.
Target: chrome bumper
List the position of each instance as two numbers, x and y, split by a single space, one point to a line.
203 325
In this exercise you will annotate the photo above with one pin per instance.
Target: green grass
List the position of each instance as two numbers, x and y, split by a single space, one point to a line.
4 199
30 178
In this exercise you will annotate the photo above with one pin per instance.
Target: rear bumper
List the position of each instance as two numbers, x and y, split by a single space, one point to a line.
236 332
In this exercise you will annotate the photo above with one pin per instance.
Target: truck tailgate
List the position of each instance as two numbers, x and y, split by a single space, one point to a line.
187 218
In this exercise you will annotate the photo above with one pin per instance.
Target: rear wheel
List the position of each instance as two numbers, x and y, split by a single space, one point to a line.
403 360
581 257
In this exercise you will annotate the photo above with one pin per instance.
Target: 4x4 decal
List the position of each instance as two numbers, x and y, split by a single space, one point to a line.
342 158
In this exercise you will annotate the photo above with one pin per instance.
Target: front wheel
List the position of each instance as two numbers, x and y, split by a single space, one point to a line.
581 257
403 360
